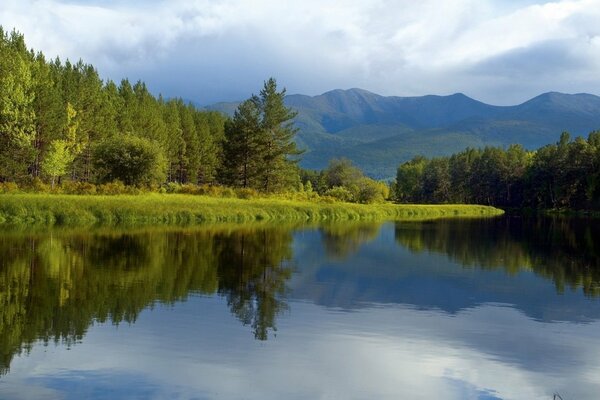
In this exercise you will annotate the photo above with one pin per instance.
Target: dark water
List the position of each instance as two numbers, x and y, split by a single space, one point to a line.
505 308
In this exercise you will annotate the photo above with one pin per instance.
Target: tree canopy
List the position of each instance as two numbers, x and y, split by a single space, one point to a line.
259 150
564 175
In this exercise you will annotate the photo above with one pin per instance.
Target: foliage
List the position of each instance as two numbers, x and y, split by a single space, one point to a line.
259 150
17 115
564 175
54 114
343 181
132 160
340 193
58 159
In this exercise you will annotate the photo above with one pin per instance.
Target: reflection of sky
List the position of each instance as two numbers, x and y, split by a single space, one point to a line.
382 271
381 323
198 350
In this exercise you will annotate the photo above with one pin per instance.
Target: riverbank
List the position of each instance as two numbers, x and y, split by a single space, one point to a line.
171 209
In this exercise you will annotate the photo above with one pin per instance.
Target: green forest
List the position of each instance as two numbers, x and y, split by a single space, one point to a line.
63 129
564 175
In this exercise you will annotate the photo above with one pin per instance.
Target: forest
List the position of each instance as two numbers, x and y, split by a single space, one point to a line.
62 121
63 129
564 175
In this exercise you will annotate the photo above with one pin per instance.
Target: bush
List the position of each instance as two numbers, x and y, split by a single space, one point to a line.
117 187
189 189
246 193
36 185
371 191
79 188
131 160
172 187
9 187
340 193
327 200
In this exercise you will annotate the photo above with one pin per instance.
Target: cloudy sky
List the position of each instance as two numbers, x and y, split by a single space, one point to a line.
498 51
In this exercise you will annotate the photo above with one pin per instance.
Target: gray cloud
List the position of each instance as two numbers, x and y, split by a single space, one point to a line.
206 50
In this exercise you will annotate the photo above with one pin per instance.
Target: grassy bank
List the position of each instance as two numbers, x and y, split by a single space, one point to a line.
167 209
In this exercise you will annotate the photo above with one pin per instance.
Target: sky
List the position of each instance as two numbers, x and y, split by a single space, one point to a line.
498 51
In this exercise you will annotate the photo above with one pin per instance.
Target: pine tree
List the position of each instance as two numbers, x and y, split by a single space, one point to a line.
49 110
278 149
17 115
241 156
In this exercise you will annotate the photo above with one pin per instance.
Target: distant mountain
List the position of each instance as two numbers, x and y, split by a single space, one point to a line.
378 132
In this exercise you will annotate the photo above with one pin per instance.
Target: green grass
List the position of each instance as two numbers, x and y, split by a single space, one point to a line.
171 209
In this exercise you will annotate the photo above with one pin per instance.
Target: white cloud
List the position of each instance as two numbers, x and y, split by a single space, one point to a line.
213 50
383 353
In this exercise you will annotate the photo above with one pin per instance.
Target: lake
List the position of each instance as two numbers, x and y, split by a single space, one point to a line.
501 308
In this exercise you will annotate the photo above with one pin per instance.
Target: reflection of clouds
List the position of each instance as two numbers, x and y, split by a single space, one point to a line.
199 350
383 272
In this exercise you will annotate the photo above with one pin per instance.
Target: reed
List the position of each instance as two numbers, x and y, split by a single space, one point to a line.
181 209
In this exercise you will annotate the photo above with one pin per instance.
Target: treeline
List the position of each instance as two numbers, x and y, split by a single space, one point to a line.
62 120
564 175
64 129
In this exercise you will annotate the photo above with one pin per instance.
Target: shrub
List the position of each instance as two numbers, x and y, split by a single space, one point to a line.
9 187
112 188
38 186
172 187
227 192
370 191
79 188
340 193
131 160
246 193
189 189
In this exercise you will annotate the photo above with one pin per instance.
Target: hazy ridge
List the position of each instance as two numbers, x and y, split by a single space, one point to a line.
378 132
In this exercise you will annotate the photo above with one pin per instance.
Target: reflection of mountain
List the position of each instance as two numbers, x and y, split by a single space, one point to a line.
457 264
52 288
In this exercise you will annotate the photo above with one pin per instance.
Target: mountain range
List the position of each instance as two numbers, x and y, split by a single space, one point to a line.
379 132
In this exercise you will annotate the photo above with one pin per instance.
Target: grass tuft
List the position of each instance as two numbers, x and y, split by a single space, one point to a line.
185 209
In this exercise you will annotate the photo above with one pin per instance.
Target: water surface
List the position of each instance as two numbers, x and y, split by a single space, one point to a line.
503 308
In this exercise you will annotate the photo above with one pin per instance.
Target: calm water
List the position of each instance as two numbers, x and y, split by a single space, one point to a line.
505 308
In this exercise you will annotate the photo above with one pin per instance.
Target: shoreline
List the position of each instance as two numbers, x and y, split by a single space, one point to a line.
180 209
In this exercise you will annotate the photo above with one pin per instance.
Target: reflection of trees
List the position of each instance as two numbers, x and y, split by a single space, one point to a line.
342 240
52 288
561 249
252 275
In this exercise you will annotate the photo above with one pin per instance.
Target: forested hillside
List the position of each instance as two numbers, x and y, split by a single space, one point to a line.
378 132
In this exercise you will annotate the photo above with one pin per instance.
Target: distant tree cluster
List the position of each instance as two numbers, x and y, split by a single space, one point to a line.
565 175
60 121
345 182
